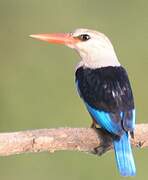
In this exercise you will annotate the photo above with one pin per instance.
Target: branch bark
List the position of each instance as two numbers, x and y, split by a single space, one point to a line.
77 139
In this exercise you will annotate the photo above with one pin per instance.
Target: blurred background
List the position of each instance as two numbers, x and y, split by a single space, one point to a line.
37 87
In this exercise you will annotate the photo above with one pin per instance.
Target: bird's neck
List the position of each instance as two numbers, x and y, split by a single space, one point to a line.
98 60
98 64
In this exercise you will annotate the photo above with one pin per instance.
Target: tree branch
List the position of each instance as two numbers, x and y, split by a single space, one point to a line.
77 139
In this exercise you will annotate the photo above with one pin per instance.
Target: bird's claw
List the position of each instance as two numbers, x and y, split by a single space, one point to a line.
132 134
105 144
100 150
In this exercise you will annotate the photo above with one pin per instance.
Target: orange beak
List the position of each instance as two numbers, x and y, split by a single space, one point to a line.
57 38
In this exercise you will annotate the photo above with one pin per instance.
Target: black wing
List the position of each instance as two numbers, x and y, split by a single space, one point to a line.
108 89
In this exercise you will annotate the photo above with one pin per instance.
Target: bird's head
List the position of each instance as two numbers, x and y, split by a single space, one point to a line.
94 47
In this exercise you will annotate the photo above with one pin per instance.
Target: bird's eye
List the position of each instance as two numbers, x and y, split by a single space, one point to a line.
84 37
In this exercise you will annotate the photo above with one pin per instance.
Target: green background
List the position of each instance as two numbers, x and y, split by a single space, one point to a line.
37 87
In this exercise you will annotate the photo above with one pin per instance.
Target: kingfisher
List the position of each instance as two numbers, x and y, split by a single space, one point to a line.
103 84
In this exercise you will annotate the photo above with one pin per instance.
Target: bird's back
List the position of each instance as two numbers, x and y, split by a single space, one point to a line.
107 89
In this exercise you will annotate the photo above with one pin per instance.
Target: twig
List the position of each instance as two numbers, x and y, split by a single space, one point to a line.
77 139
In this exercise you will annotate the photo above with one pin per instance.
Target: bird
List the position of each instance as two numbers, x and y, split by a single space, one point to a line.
103 85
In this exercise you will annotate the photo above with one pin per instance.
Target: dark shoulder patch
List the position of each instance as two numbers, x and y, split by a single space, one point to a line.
105 88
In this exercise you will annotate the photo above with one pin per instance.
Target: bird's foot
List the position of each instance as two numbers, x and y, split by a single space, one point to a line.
100 150
132 134
95 126
92 125
105 144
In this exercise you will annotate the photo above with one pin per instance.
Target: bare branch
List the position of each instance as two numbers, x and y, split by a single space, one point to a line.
77 139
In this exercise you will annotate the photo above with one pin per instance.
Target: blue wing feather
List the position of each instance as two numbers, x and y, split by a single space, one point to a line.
105 121
129 120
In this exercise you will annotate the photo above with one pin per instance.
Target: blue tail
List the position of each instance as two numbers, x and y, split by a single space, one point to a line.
124 156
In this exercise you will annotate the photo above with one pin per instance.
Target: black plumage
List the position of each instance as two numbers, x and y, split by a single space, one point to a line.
107 89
